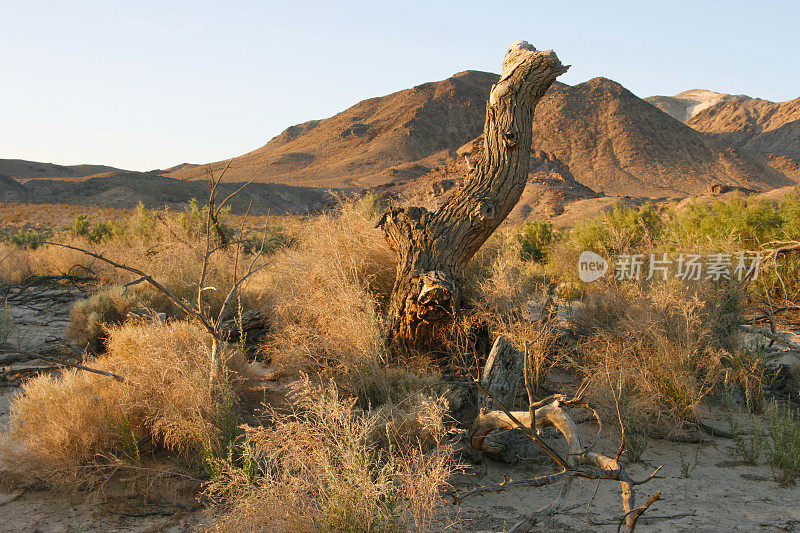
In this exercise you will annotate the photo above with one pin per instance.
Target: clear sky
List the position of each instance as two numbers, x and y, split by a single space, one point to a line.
150 84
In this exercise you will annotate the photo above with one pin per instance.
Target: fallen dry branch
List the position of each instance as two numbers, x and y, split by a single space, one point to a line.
579 462
778 336
31 356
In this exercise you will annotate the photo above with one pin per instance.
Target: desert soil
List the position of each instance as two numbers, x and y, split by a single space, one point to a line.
704 487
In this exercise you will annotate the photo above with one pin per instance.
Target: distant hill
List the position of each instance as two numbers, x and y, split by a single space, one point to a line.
687 104
25 170
618 144
611 140
401 135
125 190
754 124
740 121
592 141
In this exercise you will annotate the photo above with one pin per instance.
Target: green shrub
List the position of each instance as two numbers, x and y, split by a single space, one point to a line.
618 230
99 231
194 218
742 222
28 238
533 239
783 432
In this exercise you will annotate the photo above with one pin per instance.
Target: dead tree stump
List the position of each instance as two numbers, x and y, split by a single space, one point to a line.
432 248
502 373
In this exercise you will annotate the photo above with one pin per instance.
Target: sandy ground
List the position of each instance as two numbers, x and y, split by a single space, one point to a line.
713 491
40 317
705 484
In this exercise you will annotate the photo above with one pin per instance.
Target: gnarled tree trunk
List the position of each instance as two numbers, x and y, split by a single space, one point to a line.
433 247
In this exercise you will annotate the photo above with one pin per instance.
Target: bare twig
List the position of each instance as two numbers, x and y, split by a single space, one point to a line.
588 464
635 514
66 363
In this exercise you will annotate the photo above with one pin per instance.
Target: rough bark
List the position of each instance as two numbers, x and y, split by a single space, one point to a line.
433 247
501 373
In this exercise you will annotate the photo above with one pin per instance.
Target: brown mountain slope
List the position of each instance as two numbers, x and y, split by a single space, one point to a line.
25 170
549 189
126 189
376 141
753 124
611 140
618 144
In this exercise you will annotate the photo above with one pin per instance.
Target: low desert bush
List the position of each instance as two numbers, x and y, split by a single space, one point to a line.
89 318
659 340
95 230
27 238
533 239
326 295
748 434
783 437
6 323
744 223
319 469
72 429
618 230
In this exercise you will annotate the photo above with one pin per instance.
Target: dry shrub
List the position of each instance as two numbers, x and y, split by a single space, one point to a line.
657 342
67 429
325 296
18 264
511 297
320 469
168 246
89 318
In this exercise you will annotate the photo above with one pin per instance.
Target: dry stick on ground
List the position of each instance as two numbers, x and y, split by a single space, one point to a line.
213 325
66 363
587 464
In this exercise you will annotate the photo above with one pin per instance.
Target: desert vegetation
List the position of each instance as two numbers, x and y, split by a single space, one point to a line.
352 432
349 371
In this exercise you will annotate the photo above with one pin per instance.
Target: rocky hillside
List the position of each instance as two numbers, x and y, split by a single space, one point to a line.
611 140
687 104
127 189
741 121
754 124
595 138
401 135
618 144
26 170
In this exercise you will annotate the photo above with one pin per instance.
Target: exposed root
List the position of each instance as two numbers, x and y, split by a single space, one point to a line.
579 462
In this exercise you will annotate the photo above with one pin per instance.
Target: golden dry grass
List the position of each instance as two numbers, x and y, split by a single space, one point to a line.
659 342
66 428
324 296
320 469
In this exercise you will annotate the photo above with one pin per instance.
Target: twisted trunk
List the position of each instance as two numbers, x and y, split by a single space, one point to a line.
433 247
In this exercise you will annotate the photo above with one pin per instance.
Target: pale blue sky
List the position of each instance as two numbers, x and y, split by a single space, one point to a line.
149 84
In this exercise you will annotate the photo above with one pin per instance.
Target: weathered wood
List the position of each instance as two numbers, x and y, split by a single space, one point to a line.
433 247
502 373
581 463
10 358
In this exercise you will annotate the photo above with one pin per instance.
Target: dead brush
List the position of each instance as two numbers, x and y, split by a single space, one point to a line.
73 429
88 318
325 295
319 468
659 342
